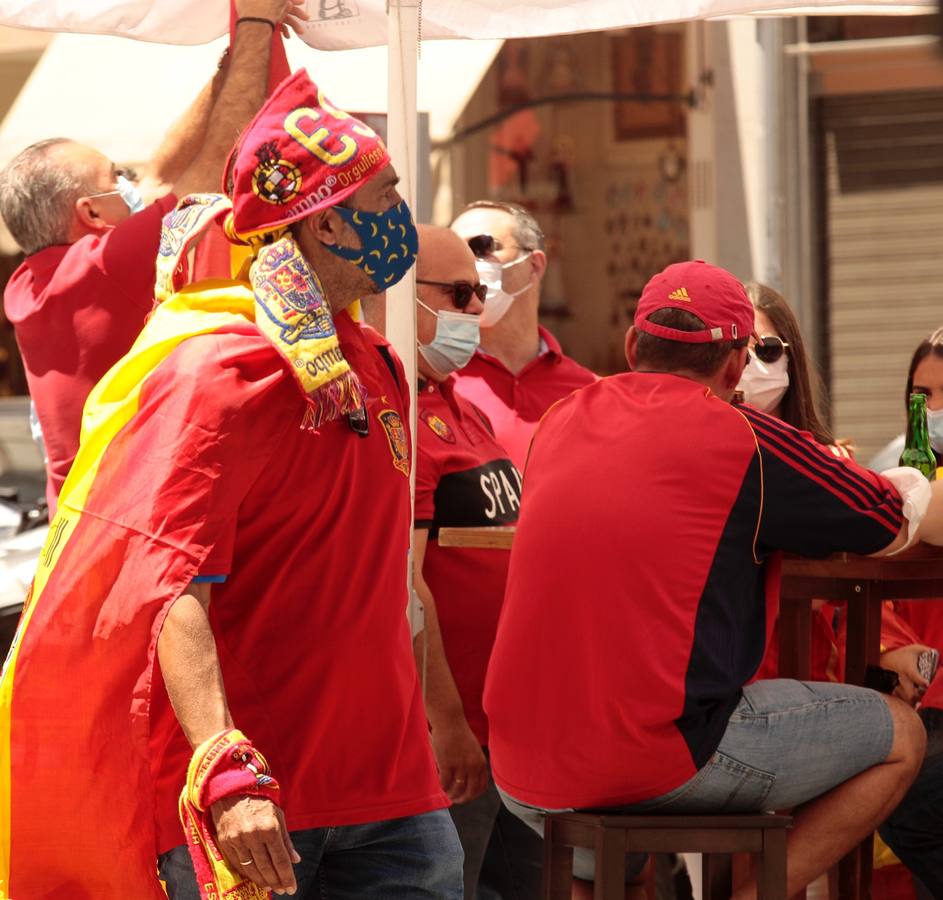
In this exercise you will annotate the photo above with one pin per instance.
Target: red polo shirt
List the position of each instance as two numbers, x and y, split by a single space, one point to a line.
77 309
463 479
643 580
310 623
515 403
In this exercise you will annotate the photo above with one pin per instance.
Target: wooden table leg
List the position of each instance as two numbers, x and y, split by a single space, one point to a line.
863 640
795 651
862 648
795 638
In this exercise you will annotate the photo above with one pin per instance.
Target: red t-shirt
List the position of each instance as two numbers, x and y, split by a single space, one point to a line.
513 403
77 309
640 579
311 623
463 479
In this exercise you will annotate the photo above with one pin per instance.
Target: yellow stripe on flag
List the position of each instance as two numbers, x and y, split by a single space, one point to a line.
110 406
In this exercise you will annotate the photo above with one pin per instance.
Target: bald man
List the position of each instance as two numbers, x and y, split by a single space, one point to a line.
464 478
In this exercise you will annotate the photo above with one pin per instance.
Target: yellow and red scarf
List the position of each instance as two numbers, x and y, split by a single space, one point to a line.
226 765
291 309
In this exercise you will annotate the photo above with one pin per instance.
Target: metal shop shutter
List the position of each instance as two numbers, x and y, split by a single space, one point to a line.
881 171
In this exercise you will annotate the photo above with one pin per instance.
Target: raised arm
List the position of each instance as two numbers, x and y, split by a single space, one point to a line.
244 825
463 770
183 140
195 152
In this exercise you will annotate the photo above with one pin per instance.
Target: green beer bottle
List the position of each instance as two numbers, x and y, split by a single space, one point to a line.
917 453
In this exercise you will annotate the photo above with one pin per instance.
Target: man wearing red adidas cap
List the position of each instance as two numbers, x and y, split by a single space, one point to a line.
647 551
240 505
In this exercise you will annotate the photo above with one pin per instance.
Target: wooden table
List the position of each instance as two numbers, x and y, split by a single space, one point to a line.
862 582
497 538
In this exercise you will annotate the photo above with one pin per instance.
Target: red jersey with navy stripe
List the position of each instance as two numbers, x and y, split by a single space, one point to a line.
463 479
643 577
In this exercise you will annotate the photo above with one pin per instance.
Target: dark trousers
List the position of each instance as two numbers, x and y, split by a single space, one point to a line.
398 859
503 857
914 831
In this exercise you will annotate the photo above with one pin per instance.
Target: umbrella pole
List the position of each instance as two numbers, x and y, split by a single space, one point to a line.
402 134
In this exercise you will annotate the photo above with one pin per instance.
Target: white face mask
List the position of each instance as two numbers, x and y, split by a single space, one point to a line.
935 429
764 384
498 301
455 341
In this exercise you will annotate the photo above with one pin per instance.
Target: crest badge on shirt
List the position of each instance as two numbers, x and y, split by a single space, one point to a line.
440 427
396 435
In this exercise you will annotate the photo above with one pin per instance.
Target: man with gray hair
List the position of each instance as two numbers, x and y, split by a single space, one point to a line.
82 294
519 371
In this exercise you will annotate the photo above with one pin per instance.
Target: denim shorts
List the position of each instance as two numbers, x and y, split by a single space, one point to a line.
787 742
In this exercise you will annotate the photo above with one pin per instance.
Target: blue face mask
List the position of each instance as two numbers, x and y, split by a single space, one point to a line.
129 192
455 342
388 243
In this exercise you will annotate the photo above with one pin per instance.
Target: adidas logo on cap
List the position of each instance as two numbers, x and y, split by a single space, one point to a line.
680 294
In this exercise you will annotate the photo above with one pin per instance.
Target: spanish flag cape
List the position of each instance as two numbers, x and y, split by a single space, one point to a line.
150 487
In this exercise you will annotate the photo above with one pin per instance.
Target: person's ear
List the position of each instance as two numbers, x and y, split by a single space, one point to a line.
631 347
88 215
733 368
327 226
538 264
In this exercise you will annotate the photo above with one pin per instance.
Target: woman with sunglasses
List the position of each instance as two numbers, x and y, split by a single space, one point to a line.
781 380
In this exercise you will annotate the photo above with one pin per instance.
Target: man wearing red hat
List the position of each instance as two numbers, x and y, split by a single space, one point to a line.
240 505
647 551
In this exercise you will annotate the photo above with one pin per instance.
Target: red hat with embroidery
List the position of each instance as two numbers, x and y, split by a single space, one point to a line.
709 292
299 155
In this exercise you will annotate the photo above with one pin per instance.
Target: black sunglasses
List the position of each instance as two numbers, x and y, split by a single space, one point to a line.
461 291
768 349
483 245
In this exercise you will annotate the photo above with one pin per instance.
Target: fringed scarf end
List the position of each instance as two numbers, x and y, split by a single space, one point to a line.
339 397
